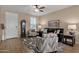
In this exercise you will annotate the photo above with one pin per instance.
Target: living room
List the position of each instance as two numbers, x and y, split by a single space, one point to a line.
38 18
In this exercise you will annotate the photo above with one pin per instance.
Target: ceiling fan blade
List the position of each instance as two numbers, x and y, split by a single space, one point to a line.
41 10
41 7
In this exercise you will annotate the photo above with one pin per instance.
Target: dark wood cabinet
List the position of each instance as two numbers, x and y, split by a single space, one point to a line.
23 28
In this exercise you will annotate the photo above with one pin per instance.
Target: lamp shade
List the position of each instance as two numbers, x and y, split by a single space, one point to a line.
72 27
39 26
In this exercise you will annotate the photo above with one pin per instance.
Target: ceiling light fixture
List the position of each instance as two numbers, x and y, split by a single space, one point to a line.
36 10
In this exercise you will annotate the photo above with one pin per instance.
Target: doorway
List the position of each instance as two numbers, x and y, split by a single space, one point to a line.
11 25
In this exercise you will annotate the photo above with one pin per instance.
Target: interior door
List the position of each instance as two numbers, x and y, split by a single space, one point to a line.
11 25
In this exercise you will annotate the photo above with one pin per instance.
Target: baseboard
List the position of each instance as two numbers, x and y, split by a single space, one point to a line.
14 38
11 38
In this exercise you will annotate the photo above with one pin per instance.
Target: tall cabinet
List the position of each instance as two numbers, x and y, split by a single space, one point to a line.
23 28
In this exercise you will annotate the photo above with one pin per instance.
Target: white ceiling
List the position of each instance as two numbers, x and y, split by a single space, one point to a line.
29 9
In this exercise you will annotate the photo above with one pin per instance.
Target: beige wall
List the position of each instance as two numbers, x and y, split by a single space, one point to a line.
66 16
0 26
21 17
2 17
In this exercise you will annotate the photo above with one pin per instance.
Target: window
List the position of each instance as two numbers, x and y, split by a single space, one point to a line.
32 22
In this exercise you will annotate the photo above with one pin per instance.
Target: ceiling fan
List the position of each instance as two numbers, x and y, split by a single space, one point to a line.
39 8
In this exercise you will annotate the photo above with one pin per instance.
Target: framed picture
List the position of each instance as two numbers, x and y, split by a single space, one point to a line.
54 24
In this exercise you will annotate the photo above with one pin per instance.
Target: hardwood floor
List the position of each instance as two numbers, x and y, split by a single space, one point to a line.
69 49
13 45
17 46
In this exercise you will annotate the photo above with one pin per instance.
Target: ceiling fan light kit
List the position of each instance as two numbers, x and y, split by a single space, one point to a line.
38 8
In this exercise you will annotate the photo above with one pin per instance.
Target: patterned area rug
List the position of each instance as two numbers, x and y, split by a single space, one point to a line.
60 48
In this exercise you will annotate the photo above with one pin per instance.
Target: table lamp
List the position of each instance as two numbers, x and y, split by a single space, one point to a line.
72 29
